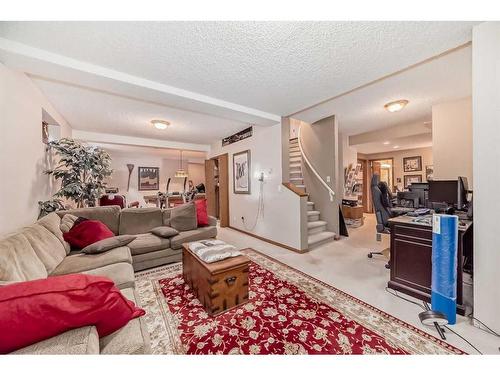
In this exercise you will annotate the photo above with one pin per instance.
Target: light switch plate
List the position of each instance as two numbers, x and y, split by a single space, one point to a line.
327 178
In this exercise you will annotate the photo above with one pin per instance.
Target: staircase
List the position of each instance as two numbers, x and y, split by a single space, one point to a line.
316 229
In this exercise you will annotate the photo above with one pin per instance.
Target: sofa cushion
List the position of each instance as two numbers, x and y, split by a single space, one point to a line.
67 222
109 215
130 339
145 243
87 233
18 260
166 216
140 220
47 246
164 231
82 340
201 212
39 309
108 244
53 223
122 274
84 262
183 217
192 235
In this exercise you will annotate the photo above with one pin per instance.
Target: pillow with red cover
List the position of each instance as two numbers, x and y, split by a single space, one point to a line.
32 311
87 233
201 212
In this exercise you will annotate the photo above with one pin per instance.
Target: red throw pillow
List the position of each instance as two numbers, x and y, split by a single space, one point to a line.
36 310
201 212
86 233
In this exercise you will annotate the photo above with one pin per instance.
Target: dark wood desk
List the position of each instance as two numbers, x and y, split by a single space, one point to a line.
411 258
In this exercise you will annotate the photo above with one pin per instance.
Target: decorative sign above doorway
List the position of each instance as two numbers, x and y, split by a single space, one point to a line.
246 133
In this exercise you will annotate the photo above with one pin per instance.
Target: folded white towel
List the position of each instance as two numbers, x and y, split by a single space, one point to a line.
211 251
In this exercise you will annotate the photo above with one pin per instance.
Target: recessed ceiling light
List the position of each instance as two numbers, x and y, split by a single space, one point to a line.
160 124
387 143
396 106
396 146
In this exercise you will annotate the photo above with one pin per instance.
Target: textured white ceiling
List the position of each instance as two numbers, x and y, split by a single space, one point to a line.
278 67
95 111
403 143
439 80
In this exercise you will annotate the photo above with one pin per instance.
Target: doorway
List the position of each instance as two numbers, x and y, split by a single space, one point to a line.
385 169
217 188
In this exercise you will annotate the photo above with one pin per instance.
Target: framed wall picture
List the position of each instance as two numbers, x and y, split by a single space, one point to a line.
429 172
149 178
412 164
411 178
241 172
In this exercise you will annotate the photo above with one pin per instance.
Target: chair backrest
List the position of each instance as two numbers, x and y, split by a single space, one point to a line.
381 208
116 200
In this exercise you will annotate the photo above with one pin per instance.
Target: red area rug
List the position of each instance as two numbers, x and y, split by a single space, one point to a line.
288 313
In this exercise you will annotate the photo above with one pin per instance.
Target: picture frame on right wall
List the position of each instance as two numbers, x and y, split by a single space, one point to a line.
412 164
412 178
429 172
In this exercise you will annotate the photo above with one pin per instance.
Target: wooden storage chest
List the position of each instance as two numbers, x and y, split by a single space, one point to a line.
219 286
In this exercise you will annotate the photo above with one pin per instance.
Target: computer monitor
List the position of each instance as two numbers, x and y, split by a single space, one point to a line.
445 191
463 190
421 189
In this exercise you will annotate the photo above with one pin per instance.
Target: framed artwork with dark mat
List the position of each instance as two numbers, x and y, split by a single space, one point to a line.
412 178
148 178
412 164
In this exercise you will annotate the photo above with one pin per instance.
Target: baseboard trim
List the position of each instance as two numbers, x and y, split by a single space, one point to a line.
269 241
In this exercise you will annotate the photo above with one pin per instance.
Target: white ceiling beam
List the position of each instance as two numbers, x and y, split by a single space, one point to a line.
57 67
136 141
391 132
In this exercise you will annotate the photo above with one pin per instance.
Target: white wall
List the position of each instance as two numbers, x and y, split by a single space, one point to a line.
452 140
22 153
281 221
167 169
486 108
424 152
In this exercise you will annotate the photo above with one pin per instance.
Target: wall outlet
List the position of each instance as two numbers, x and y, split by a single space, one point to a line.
328 179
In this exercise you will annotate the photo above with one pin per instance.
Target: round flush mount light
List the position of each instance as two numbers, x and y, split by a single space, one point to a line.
160 124
396 146
387 143
396 106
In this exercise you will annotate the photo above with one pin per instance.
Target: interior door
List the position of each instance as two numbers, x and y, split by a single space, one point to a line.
210 187
224 190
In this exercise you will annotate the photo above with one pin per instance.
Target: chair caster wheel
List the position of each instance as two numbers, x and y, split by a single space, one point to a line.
370 255
388 266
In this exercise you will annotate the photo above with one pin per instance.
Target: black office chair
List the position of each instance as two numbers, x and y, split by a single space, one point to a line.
381 198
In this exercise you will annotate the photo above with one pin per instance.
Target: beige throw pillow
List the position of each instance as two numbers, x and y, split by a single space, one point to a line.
108 244
183 217
164 231
67 222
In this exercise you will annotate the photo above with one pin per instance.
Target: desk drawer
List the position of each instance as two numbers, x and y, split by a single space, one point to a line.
412 232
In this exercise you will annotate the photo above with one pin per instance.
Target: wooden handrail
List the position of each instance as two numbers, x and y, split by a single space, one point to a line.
295 189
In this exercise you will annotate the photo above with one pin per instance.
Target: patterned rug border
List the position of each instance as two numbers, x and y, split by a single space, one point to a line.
361 302
157 272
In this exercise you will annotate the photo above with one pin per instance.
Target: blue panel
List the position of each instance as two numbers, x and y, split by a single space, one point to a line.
444 265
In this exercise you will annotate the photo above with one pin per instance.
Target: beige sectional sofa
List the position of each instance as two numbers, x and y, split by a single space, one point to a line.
39 251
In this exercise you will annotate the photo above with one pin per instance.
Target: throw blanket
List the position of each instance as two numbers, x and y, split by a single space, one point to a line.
211 251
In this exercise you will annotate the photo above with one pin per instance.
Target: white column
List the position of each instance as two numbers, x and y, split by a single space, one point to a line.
486 169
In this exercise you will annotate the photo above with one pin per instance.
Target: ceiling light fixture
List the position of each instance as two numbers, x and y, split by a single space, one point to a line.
160 124
387 143
396 146
181 172
396 106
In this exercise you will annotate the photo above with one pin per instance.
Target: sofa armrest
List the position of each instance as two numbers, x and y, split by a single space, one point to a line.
82 340
212 221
